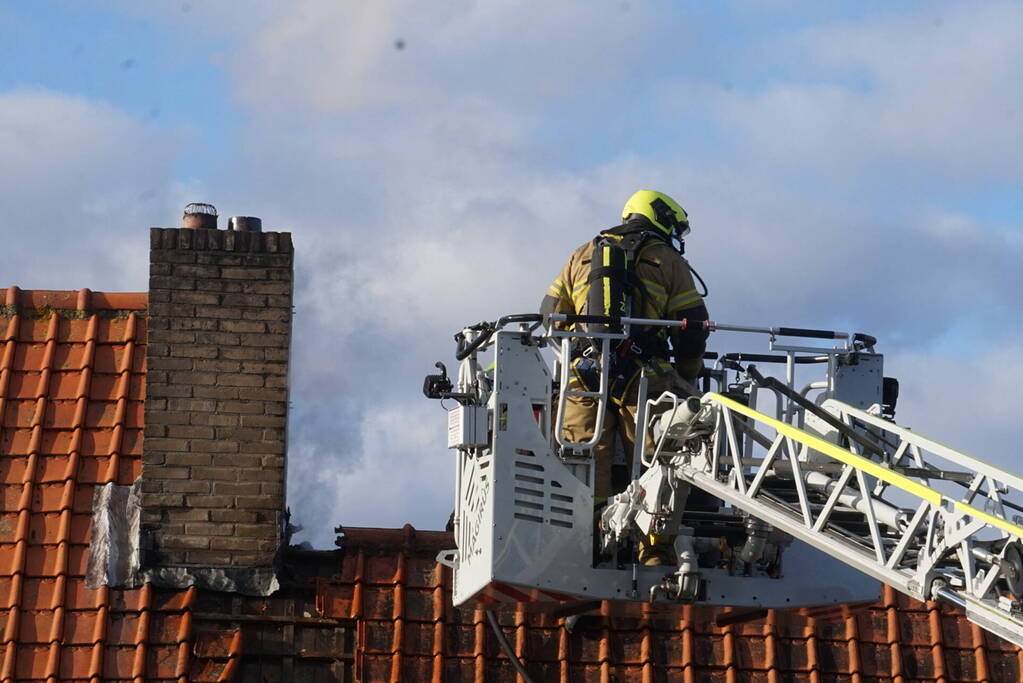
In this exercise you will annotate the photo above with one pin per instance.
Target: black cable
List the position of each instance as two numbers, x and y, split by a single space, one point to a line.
502 642
681 249
809 406
702 283
845 430
486 331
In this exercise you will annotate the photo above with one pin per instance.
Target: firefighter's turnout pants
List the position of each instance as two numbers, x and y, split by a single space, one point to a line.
580 421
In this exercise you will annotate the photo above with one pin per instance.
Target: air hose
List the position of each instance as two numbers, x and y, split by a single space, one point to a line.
703 284
506 647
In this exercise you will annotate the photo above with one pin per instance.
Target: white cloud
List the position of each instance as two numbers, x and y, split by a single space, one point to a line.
445 183
401 474
337 57
321 53
968 402
422 214
80 177
935 90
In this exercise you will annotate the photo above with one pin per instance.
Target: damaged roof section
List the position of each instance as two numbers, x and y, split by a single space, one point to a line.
72 376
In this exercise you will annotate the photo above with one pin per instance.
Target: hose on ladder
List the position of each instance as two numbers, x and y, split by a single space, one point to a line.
506 647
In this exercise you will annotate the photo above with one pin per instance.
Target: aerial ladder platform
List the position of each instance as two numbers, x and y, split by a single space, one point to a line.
777 490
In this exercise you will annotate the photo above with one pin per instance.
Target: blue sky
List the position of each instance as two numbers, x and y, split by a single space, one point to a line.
147 69
855 165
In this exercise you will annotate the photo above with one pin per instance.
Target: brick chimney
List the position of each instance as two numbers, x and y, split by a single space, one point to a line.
213 472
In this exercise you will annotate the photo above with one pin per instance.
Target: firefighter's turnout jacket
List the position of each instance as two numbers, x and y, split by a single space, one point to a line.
670 295
662 269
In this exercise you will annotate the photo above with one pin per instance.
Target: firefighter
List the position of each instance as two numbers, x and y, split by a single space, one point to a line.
633 268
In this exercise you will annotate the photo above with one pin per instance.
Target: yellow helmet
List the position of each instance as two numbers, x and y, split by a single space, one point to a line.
661 210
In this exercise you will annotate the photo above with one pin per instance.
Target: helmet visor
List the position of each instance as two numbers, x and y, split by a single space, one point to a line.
670 219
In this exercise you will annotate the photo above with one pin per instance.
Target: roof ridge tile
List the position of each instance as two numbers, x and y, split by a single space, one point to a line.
76 303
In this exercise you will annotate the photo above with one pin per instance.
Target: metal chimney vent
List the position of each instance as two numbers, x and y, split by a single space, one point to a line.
245 224
200 216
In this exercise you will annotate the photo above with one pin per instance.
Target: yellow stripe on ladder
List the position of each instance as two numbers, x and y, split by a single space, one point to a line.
868 466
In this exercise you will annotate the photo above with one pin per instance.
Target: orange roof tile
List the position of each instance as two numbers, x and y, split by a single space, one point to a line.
400 597
72 383
72 386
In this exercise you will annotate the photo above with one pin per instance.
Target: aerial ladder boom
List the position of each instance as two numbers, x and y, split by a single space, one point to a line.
818 471
941 546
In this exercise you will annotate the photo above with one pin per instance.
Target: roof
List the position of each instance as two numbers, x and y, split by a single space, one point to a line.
72 384
400 597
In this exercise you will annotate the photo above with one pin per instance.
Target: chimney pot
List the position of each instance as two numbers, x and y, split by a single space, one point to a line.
199 216
245 224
